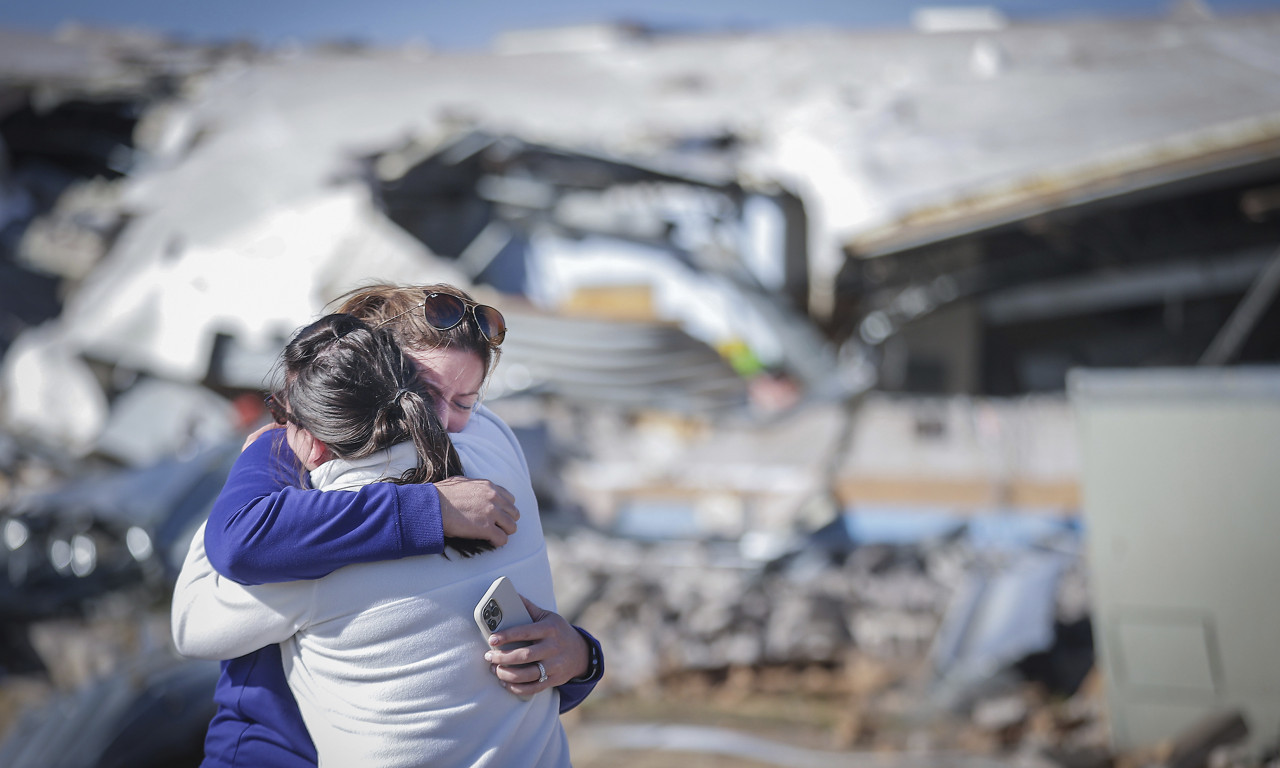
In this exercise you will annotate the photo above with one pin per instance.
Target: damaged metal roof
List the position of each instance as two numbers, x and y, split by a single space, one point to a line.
627 364
883 135
1245 148
249 207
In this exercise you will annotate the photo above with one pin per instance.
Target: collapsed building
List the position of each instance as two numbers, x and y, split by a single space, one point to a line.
768 292
939 187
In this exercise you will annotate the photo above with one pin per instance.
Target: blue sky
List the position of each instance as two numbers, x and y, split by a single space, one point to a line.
455 24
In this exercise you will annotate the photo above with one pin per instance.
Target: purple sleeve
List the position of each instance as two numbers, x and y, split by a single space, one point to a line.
572 693
264 528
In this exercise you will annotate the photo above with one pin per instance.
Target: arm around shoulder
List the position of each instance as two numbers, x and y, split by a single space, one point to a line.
214 618
265 528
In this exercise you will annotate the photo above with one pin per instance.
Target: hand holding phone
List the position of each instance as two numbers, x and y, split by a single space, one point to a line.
501 608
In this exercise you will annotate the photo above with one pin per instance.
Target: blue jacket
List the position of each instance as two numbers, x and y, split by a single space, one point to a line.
264 528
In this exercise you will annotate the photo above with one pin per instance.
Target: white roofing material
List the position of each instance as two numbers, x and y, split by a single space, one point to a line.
50 393
156 419
159 309
962 19
703 304
866 127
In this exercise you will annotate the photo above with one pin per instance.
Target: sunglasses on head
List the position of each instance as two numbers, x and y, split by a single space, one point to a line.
444 311
277 410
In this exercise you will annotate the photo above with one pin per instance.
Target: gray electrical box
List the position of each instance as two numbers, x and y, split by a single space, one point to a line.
1181 502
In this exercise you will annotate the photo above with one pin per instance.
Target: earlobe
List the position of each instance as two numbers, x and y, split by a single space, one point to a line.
317 452
310 451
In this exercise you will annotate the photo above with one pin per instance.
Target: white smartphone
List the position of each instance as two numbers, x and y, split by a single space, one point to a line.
500 608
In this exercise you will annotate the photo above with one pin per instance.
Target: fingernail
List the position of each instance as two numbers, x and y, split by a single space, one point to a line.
488 657
493 639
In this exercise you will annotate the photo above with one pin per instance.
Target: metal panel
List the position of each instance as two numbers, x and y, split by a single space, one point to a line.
627 364
1180 494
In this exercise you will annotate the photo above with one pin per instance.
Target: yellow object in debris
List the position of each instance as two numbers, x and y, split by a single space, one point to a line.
740 356
612 302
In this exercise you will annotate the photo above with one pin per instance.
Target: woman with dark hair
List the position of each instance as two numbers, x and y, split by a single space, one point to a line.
383 658
264 529
360 394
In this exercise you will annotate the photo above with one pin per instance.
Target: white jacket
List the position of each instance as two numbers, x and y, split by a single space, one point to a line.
385 659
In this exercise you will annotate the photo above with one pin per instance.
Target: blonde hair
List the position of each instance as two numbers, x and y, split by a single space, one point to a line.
394 306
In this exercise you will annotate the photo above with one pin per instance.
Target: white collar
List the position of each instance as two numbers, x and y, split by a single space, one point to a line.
345 474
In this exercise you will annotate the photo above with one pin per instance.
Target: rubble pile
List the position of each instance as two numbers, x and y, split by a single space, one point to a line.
841 653
667 610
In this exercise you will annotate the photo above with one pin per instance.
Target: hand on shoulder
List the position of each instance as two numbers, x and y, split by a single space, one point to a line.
257 433
477 509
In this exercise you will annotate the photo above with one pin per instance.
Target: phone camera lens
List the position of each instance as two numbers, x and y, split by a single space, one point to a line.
492 614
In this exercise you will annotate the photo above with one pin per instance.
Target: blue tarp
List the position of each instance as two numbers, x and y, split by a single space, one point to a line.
997 529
